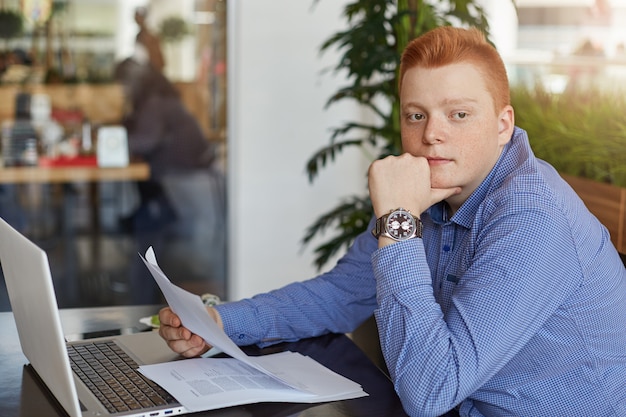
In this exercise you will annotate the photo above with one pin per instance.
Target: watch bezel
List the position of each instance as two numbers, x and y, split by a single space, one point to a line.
384 227
396 227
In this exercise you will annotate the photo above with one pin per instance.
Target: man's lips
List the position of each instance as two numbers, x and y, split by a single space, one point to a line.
437 161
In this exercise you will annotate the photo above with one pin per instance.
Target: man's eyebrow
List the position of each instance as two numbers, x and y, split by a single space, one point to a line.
460 100
447 102
410 104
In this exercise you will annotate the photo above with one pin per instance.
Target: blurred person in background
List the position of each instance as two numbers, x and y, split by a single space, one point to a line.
162 132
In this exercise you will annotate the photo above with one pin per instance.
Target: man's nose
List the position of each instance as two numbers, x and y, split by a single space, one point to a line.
434 132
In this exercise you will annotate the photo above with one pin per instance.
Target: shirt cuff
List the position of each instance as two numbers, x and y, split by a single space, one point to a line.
239 323
399 266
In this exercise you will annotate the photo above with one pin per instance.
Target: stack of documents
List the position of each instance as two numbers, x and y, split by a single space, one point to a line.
210 383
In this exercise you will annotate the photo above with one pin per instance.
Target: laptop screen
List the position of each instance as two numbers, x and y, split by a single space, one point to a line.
33 302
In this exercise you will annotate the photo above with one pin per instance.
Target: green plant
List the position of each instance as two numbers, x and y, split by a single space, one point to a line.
173 29
580 133
11 24
371 49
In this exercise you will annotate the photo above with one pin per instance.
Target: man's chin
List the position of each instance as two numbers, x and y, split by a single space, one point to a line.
442 184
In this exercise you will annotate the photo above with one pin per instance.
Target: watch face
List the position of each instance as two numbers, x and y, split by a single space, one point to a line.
400 225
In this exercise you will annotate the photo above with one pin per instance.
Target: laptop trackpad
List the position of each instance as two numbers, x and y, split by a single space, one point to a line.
147 347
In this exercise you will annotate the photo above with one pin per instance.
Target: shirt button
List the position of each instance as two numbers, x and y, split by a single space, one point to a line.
446 248
242 336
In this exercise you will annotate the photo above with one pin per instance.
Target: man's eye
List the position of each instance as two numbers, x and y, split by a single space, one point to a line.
416 117
460 115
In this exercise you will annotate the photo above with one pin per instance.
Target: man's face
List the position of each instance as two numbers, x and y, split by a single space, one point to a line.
448 117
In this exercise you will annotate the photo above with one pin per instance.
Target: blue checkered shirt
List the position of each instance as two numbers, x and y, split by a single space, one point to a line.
514 306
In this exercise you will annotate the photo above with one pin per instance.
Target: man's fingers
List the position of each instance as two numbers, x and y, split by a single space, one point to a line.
191 347
440 194
180 339
168 317
168 332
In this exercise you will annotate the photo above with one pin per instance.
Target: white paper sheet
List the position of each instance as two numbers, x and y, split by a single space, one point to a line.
203 383
192 311
210 383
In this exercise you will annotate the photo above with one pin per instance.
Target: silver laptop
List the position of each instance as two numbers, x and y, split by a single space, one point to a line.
33 301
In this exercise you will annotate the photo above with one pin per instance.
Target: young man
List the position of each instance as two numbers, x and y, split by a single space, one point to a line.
498 294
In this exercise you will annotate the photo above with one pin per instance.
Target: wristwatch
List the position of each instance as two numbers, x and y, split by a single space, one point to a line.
399 225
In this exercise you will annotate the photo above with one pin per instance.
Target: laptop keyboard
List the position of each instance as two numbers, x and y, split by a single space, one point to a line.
113 377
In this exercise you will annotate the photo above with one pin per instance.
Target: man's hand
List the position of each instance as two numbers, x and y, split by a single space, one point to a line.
404 181
180 339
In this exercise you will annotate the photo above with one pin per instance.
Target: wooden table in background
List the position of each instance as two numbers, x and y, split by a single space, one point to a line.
65 177
136 171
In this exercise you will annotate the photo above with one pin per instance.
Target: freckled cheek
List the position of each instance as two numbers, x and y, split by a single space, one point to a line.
411 142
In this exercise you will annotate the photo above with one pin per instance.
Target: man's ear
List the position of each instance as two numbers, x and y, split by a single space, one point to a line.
506 124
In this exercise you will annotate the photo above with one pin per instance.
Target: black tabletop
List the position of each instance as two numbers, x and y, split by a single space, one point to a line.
22 394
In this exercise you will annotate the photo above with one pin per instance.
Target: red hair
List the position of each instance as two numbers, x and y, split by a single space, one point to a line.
447 45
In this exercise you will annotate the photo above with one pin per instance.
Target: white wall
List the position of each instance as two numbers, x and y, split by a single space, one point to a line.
276 120
502 18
